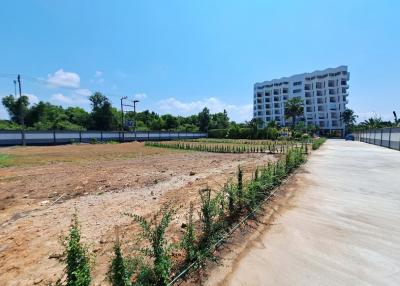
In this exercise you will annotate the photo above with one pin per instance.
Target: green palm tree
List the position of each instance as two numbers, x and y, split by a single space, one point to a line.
293 108
348 118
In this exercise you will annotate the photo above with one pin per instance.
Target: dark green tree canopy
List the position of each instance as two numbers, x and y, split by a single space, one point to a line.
294 107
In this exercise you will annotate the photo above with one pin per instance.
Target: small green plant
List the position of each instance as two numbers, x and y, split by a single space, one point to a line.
318 142
118 273
158 248
189 242
208 215
240 191
94 141
78 261
5 160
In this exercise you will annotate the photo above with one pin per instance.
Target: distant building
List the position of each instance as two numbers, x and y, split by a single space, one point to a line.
324 94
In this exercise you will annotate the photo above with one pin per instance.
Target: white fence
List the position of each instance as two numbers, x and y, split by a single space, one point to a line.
8 138
385 137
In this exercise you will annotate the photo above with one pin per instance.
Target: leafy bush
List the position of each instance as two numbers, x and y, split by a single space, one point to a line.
318 142
208 215
78 262
5 160
118 273
218 133
158 248
189 242
94 141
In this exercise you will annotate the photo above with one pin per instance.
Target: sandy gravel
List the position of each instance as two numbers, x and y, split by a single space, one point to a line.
341 228
101 182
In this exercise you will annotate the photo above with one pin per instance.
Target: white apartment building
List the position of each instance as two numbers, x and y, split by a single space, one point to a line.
324 94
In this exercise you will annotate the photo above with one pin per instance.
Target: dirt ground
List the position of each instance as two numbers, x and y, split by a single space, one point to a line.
39 193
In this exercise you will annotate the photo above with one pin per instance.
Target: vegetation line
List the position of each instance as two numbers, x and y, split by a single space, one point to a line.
271 147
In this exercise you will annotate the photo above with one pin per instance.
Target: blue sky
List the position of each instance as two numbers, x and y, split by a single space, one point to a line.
177 56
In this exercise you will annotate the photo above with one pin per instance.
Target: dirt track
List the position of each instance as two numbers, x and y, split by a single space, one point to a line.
342 227
39 194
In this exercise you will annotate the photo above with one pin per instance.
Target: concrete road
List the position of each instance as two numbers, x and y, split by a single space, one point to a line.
344 228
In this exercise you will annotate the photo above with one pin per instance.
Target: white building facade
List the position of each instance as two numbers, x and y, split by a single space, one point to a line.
324 94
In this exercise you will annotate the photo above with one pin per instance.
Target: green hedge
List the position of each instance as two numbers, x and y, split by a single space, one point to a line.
244 133
318 142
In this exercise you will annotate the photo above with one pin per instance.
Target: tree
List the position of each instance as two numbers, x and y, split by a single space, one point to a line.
219 120
293 108
396 121
170 122
16 108
77 115
102 113
204 119
373 122
348 117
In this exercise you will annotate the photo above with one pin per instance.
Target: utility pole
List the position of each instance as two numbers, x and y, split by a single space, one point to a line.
15 88
21 115
134 116
122 117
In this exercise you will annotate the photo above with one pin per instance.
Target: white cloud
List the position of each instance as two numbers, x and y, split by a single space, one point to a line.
33 99
98 77
235 112
83 92
64 79
140 96
73 100
61 99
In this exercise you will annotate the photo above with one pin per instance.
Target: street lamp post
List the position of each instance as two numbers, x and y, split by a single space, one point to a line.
122 117
134 116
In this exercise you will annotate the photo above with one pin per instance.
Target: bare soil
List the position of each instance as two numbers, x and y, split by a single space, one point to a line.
40 192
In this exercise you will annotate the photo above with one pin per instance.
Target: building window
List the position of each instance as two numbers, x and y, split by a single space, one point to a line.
296 90
297 83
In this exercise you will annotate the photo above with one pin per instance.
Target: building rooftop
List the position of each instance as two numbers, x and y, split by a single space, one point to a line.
302 75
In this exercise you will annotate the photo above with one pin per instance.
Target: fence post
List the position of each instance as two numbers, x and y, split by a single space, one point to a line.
80 136
54 137
148 135
381 136
374 136
101 136
390 135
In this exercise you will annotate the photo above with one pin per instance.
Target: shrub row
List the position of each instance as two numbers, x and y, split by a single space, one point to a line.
244 133
271 147
318 142
239 141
